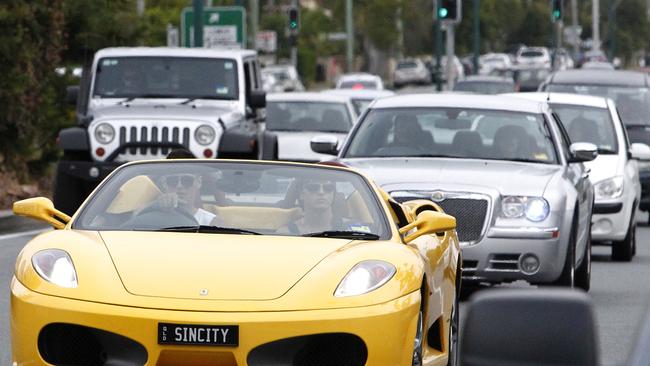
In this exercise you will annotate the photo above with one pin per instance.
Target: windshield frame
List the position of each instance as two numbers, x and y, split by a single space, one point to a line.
388 231
234 96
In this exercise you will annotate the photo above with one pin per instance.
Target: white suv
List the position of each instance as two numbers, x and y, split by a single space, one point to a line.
533 56
614 172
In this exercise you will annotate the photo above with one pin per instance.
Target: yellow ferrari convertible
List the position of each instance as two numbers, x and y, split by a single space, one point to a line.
216 262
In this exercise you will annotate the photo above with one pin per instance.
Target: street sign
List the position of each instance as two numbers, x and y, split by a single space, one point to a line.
223 27
572 35
337 36
266 41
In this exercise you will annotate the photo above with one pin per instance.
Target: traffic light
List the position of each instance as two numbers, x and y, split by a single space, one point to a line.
556 10
294 20
449 10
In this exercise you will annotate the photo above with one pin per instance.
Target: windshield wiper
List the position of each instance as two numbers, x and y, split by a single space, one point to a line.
208 229
344 235
606 151
190 100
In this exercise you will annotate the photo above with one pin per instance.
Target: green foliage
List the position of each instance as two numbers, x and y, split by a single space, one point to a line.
31 41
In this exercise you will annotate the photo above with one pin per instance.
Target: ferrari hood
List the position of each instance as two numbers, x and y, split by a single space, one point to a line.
213 266
504 176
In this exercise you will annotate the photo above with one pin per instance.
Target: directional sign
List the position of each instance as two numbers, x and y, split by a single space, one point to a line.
223 27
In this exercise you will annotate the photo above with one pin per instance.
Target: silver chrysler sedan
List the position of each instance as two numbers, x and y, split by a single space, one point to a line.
503 166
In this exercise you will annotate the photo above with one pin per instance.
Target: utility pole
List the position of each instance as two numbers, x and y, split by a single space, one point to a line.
349 27
595 24
255 21
574 25
198 22
140 7
477 34
399 25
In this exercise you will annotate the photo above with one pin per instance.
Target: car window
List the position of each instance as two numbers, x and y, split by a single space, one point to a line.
587 124
633 103
452 132
307 116
264 198
485 87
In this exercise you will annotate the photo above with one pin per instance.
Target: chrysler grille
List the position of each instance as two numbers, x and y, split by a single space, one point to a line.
154 135
470 215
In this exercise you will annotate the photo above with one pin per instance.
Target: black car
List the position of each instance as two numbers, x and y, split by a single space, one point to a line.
631 92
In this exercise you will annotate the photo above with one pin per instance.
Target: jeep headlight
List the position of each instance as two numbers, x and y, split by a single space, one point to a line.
204 135
104 133
533 208
609 188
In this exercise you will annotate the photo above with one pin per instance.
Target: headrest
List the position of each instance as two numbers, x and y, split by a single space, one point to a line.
136 193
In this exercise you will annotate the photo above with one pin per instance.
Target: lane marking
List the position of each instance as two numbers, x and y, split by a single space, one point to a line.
23 233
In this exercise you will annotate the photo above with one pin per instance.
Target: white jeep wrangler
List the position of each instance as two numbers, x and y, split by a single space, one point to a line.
141 103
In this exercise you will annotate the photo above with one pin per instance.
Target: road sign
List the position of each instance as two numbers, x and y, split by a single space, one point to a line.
223 27
266 41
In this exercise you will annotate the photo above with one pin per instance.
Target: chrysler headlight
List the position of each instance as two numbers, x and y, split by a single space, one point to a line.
104 133
533 208
609 188
204 135
55 266
365 277
537 209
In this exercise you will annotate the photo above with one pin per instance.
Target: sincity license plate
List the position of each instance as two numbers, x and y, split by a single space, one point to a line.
199 335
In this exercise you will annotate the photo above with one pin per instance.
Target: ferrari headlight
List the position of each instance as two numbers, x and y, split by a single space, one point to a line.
104 133
364 277
533 208
204 135
55 266
609 188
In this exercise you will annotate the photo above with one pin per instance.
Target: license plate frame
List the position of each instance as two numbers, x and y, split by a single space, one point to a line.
198 335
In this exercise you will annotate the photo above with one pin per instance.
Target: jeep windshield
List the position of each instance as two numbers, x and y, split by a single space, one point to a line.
633 103
166 77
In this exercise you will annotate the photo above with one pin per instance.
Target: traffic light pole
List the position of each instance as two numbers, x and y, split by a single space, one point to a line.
294 41
349 27
450 57
198 23
438 47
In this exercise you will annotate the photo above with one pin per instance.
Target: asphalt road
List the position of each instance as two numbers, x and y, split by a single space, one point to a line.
621 294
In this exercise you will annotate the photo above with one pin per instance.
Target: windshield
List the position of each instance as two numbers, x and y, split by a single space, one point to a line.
166 77
632 103
587 124
484 87
452 132
532 54
407 65
307 116
248 198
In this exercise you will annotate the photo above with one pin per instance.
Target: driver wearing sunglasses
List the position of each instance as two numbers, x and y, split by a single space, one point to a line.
317 198
183 191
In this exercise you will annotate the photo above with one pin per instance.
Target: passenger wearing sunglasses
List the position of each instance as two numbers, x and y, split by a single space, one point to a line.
317 198
182 191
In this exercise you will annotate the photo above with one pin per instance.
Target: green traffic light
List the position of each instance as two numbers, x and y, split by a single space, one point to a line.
293 25
556 14
443 12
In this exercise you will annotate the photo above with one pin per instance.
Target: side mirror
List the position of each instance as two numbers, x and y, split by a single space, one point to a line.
42 209
582 151
640 151
546 327
428 222
325 144
72 94
257 99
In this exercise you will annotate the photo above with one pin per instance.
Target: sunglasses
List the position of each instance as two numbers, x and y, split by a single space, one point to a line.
317 187
186 181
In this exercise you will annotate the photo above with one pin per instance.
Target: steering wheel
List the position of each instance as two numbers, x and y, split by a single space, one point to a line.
150 217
